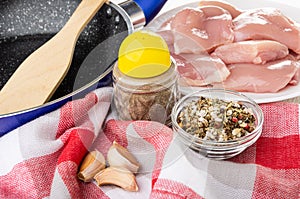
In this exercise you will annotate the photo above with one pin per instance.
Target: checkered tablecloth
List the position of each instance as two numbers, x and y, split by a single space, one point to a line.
41 158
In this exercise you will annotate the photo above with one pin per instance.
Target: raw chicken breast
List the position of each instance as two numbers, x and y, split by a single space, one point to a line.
167 35
296 78
200 70
254 51
166 32
267 23
197 30
267 78
226 6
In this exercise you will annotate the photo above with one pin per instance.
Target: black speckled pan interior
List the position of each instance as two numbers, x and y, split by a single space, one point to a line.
27 24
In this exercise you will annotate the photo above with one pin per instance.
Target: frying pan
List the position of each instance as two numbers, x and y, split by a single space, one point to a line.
25 25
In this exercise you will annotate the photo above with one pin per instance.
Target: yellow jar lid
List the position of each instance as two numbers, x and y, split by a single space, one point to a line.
144 54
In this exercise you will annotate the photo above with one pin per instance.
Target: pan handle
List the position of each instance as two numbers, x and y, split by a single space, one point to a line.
150 7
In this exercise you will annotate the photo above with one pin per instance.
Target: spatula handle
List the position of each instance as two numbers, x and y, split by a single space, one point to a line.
82 16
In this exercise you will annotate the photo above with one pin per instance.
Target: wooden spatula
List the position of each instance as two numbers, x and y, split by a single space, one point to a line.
36 79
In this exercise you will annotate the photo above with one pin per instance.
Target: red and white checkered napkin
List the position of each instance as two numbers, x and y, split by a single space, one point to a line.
41 158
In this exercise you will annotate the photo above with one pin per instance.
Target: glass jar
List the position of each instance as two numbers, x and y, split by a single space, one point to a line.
218 150
149 98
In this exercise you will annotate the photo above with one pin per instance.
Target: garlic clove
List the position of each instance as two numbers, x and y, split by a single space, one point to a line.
117 176
118 156
91 165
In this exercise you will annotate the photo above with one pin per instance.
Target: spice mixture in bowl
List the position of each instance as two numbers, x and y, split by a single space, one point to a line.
217 123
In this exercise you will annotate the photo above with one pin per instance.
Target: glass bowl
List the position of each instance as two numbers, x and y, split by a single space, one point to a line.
212 148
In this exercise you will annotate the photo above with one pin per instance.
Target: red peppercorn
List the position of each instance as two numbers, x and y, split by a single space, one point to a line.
247 127
234 119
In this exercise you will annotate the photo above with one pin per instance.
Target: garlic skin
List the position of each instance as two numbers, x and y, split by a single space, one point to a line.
117 176
91 165
118 156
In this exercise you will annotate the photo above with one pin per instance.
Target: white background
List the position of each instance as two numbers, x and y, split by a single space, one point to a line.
174 3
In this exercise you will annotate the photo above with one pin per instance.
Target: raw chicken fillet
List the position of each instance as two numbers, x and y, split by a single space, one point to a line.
198 30
254 51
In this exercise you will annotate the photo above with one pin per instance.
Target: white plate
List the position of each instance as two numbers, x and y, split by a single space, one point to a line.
289 8
286 93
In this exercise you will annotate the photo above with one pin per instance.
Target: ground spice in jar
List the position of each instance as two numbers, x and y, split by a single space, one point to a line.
145 79
146 98
216 120
149 102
